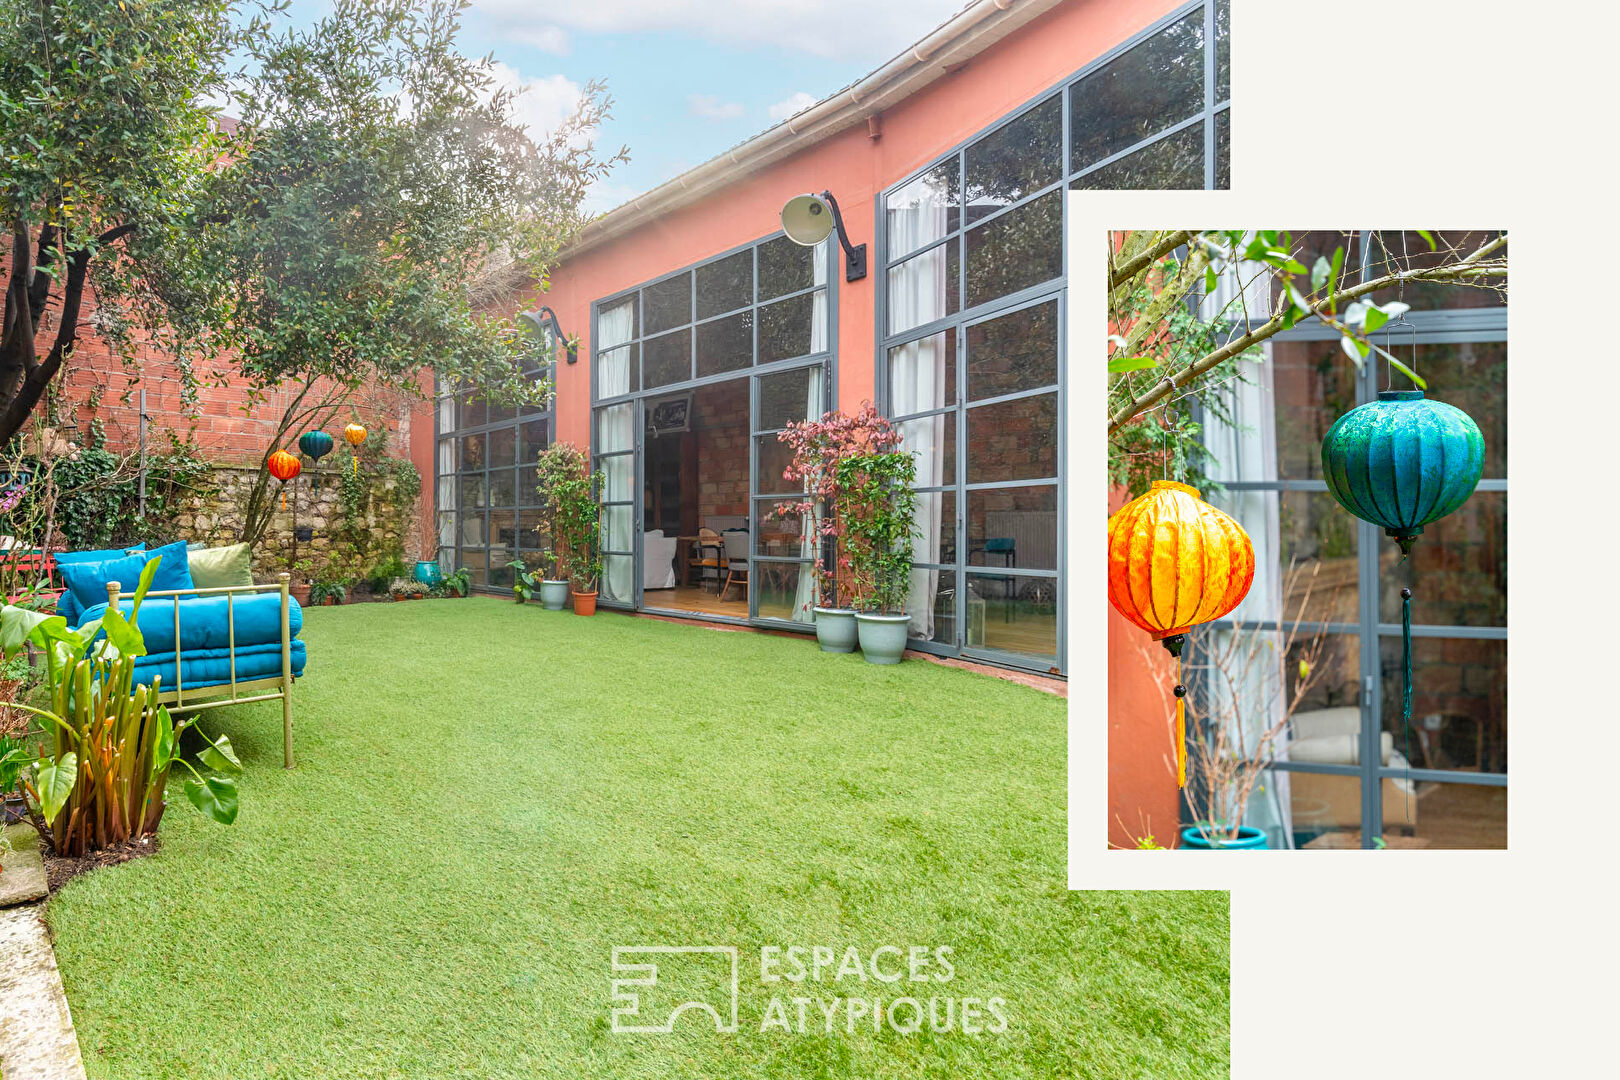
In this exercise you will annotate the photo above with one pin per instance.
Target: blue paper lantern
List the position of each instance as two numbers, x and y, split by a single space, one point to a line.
1403 461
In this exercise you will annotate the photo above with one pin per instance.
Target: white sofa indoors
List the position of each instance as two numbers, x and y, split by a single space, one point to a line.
658 560
1322 803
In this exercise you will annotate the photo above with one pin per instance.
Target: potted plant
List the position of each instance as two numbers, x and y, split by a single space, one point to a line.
403 588
328 591
522 581
571 494
300 585
1259 679
877 508
818 448
559 468
459 582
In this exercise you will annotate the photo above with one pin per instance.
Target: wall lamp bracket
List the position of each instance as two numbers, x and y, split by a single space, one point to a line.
545 319
810 219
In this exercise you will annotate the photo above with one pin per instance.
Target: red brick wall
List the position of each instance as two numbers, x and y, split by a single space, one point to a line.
720 421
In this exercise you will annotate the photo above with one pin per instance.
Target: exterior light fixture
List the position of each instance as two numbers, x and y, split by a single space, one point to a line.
545 319
810 219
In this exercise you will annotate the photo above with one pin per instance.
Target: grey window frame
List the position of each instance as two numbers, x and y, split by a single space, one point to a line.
826 358
1433 326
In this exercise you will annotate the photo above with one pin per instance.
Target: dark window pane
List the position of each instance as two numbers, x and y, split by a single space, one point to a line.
1313 384
472 452
1174 162
667 304
780 527
933 440
1016 159
784 267
1154 86
791 396
501 413
667 359
924 287
503 447
1392 250
1459 703
922 374
1013 440
1017 351
502 534
502 487
474 412
1223 150
924 210
932 605
725 284
785 328
1020 248
725 344
528 482
536 437
1223 50
1012 614
1471 375
1316 557
936 528
774 458
1458 570
1013 527
473 491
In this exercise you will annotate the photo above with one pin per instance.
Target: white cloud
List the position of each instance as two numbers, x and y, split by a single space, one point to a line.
791 106
872 31
551 39
710 107
541 103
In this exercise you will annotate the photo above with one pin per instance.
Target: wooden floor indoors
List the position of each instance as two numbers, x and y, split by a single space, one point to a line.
701 601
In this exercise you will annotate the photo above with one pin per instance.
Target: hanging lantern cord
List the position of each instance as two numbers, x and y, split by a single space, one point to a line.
1173 646
1406 690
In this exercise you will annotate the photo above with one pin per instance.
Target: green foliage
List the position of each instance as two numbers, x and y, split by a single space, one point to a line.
524 583
105 146
458 582
384 572
877 508
107 746
322 589
93 498
572 515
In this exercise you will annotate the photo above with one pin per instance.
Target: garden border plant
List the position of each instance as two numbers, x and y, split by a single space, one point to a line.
819 447
570 495
877 509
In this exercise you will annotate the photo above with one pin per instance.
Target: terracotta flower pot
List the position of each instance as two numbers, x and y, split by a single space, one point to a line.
328 601
300 593
585 603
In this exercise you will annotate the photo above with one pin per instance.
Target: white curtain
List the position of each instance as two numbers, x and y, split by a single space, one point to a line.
615 431
917 380
1246 450
804 597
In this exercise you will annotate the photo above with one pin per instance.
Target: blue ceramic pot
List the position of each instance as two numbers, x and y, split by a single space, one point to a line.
1248 839
427 572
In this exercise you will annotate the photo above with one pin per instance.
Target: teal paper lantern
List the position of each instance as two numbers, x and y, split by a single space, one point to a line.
1403 461
315 444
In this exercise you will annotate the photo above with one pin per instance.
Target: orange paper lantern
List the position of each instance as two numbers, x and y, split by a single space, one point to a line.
283 466
1175 561
355 434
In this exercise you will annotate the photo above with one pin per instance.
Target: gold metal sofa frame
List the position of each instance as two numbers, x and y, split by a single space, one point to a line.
263 689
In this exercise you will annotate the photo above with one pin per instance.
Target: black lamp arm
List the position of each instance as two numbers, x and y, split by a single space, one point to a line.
544 317
854 254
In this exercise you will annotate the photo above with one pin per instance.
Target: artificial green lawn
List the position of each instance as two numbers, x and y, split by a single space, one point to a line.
490 797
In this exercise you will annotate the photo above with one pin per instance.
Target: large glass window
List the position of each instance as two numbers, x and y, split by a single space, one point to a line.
1336 581
761 305
485 498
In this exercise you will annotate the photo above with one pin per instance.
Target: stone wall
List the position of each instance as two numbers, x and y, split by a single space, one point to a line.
385 521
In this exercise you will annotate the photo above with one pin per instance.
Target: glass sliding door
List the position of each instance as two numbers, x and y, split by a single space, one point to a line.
615 444
784 549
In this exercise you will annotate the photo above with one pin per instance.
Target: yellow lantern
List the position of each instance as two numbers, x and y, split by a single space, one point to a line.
1175 561
354 434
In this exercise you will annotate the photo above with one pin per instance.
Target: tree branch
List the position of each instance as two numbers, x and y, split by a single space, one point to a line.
1136 265
1471 267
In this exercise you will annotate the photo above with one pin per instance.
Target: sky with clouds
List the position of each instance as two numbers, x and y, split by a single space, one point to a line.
689 78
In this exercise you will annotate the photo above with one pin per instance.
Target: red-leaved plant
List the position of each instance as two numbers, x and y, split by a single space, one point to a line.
818 448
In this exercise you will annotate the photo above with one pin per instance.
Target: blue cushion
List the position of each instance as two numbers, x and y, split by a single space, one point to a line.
205 621
88 580
212 667
66 605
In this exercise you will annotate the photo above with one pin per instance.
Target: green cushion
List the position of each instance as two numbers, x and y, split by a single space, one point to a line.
213 568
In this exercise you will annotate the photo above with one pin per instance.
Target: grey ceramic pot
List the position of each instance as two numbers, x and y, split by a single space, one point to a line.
835 629
883 637
553 594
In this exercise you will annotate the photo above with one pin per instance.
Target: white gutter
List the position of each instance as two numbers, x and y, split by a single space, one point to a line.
968 33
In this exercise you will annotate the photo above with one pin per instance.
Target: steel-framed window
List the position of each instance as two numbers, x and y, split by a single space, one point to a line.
475 494
1377 632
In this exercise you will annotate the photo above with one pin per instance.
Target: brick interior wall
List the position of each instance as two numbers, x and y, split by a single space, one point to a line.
721 423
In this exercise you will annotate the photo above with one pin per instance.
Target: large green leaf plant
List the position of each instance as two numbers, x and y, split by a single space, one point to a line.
105 750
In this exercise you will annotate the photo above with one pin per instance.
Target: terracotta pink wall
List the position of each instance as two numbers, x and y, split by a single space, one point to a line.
854 167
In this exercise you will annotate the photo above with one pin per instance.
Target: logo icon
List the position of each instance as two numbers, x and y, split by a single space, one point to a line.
691 968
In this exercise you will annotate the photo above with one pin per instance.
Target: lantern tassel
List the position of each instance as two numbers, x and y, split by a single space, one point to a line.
1406 691
284 496
1181 728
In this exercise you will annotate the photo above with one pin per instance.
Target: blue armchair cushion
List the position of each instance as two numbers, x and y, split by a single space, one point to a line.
88 580
205 622
66 605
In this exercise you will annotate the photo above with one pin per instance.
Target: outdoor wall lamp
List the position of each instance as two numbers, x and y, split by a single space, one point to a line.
545 319
810 219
